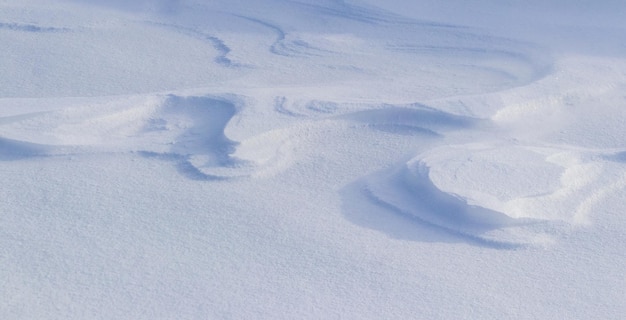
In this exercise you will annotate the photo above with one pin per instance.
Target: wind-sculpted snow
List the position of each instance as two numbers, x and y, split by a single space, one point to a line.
200 143
145 60
186 130
413 190
415 118
218 44
496 196
192 159
190 46
410 193
501 194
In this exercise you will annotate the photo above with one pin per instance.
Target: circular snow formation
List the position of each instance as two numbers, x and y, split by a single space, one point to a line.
500 196
544 183
490 176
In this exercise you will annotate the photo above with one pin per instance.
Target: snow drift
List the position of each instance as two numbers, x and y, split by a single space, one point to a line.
312 159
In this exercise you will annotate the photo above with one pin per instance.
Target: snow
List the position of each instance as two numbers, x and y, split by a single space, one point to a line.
284 159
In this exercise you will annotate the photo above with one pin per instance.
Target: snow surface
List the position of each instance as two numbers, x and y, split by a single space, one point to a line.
279 159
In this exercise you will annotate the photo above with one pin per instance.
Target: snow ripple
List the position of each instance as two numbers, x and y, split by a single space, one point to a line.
218 44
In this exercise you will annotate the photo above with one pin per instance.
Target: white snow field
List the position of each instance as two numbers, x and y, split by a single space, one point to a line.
312 159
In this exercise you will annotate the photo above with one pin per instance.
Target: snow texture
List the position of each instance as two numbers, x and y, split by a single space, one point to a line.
189 159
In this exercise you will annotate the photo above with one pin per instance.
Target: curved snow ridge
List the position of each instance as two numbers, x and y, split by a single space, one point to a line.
199 123
393 118
202 150
411 119
275 150
220 46
286 44
408 192
570 81
122 57
502 194
187 130
190 131
546 183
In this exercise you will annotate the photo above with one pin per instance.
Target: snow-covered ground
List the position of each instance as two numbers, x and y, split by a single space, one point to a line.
322 159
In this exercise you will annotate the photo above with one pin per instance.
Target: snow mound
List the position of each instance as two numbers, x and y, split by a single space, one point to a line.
522 174
501 196
188 131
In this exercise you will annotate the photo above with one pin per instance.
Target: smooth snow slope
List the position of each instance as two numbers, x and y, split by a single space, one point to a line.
281 159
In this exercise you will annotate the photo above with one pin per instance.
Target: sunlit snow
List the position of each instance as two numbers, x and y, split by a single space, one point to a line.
278 159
